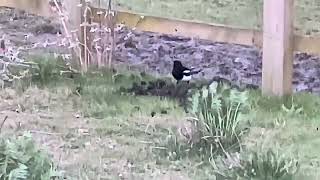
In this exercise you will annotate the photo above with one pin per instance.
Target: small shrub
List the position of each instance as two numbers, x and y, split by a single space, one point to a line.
261 164
269 164
216 129
20 159
48 70
217 109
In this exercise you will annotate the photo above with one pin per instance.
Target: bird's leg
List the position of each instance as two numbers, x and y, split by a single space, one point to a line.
178 82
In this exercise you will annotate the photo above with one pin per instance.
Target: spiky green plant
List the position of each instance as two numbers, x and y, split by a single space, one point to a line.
217 109
47 70
269 164
259 164
21 160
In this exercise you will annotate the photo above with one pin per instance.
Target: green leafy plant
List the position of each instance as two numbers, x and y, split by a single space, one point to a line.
263 164
218 108
21 160
48 70
293 110
268 164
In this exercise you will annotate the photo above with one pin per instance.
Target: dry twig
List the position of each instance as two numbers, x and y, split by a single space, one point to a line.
3 121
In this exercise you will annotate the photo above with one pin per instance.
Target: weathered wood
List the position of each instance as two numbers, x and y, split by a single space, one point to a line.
307 44
213 32
39 7
277 63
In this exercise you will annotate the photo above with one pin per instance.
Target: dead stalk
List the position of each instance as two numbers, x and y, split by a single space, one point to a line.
82 49
110 21
85 39
87 36
64 24
99 54
3 121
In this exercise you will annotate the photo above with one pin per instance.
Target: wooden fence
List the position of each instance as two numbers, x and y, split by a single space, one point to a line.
277 39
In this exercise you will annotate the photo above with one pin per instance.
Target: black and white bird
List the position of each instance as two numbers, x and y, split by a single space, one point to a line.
181 73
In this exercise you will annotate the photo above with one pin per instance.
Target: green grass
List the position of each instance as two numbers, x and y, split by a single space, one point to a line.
294 127
102 98
298 115
290 122
229 12
100 91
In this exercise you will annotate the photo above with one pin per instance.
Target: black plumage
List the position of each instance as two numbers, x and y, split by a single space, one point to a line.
2 45
181 73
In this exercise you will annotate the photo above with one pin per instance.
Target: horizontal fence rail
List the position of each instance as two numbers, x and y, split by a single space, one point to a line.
38 7
142 22
213 32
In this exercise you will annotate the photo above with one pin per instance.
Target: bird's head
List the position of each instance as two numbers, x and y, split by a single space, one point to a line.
177 63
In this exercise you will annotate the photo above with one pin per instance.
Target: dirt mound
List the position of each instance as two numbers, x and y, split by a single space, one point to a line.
157 87
162 88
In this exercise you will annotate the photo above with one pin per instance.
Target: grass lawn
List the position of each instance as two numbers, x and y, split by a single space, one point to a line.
241 13
92 129
116 136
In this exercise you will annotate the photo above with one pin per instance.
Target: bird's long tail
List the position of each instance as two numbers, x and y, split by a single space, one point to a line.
195 71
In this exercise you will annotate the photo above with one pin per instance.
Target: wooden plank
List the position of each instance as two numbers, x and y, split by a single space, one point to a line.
277 63
38 7
306 44
213 32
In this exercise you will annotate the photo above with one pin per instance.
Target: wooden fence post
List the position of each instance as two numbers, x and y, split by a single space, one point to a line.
277 63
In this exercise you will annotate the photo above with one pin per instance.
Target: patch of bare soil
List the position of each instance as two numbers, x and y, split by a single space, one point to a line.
161 88
27 34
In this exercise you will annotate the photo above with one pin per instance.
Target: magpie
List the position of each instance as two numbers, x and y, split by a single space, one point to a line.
2 45
181 73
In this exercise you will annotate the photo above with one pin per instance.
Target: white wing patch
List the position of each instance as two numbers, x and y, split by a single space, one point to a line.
186 78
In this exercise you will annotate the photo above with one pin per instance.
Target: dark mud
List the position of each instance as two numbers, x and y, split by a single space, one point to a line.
154 53
160 88
164 89
171 90
239 64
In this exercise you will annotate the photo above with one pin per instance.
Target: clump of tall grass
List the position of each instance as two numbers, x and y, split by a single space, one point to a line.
258 164
47 70
217 109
